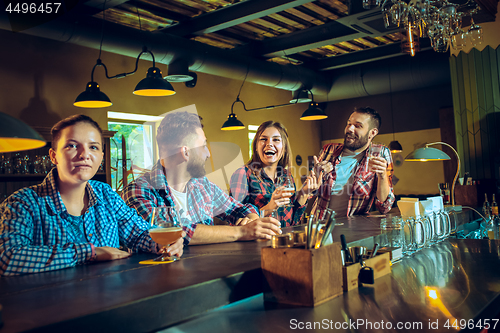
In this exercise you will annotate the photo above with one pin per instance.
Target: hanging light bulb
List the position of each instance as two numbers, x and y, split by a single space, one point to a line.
412 43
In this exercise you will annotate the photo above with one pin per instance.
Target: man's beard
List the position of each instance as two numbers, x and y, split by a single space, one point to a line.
196 167
357 143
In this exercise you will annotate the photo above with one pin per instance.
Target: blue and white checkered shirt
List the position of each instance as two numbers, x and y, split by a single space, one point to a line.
36 234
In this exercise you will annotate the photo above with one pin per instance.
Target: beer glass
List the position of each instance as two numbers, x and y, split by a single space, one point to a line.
392 231
427 225
165 229
408 244
419 233
375 150
289 186
439 227
453 222
446 222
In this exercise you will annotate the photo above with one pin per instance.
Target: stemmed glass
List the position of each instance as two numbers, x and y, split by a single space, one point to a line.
165 229
288 184
475 33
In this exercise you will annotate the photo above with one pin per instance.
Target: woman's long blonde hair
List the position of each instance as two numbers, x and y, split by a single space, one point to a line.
255 163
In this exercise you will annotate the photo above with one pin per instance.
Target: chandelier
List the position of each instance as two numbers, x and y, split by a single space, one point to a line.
439 20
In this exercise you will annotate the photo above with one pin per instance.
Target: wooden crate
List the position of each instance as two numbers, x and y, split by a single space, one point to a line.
305 277
381 265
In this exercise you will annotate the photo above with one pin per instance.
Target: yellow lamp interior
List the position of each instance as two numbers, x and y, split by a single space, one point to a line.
319 117
92 104
154 92
232 128
8 145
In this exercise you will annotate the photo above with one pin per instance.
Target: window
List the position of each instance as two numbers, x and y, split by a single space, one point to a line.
252 130
139 155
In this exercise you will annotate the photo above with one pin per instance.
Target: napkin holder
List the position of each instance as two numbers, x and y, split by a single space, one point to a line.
299 276
409 207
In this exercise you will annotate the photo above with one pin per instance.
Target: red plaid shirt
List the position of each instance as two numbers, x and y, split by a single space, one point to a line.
204 199
246 187
364 186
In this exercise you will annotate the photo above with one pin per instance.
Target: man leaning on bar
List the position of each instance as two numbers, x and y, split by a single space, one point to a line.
357 178
178 180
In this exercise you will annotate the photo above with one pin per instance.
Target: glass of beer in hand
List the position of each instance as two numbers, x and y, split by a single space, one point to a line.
288 187
375 150
165 229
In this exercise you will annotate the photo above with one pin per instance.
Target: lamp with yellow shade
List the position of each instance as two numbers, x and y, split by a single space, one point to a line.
15 135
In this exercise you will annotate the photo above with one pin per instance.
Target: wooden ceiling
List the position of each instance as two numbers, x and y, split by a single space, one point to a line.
301 32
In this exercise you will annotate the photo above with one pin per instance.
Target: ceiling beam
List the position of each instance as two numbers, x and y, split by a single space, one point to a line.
360 57
341 30
109 3
230 16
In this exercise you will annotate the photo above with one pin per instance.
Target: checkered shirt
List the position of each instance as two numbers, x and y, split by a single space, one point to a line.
36 235
204 199
365 183
246 187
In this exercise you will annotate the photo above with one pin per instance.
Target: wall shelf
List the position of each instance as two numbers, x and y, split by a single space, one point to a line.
9 183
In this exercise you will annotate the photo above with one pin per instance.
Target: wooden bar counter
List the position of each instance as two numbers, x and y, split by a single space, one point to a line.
190 295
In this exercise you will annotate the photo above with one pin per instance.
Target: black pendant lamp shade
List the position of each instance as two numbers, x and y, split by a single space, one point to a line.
313 112
15 135
395 147
154 85
92 97
232 123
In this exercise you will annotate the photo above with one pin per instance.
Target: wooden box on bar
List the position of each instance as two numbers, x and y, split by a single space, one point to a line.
381 265
298 276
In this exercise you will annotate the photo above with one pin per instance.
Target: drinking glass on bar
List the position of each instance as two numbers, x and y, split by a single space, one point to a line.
408 243
270 213
165 229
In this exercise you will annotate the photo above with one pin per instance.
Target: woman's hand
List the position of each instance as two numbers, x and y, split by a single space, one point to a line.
106 253
279 198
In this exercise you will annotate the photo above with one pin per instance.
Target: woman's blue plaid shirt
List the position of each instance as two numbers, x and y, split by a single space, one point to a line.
35 235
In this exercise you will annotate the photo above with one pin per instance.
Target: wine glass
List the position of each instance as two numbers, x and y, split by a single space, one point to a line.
475 33
165 229
289 186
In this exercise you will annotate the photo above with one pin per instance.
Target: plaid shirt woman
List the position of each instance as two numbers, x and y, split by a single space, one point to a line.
256 182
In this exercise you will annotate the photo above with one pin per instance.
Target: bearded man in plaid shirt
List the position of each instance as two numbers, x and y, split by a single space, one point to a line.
359 171
178 180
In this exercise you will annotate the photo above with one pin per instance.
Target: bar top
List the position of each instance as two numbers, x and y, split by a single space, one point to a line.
126 296
454 282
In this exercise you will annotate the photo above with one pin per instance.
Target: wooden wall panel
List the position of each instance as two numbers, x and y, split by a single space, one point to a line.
476 96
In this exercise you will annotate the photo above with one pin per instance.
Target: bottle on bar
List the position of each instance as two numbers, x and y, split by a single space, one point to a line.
494 207
486 207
